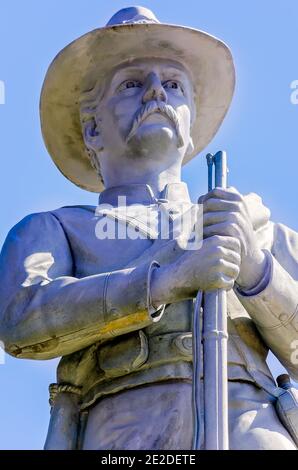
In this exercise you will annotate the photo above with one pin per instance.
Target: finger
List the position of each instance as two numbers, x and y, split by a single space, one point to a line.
229 255
227 268
212 218
229 194
225 229
230 243
219 205
221 281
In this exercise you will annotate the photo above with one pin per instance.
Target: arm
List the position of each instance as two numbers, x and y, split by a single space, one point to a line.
46 312
267 285
274 308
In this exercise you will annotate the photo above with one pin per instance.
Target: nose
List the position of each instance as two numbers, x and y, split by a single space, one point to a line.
154 89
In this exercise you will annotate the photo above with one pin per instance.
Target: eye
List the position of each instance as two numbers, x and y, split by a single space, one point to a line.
129 84
173 85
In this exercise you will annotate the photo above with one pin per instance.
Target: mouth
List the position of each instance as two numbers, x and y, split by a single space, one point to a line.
157 117
154 114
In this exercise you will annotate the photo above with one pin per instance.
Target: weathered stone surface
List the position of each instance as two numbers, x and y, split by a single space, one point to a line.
119 308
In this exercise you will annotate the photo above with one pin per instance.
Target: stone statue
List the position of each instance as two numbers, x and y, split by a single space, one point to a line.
122 108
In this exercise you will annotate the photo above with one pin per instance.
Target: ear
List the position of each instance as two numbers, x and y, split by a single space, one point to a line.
91 135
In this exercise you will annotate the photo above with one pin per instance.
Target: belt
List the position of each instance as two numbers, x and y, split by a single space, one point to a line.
136 359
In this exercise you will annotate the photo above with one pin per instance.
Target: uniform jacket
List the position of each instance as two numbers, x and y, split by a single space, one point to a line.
64 291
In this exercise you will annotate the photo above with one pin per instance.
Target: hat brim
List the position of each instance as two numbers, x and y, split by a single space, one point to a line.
88 60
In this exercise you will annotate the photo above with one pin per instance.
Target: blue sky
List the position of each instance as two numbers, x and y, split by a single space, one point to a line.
259 134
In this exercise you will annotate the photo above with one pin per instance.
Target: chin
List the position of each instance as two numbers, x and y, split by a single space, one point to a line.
153 139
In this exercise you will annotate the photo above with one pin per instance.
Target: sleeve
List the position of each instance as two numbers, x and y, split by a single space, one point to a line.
274 304
46 312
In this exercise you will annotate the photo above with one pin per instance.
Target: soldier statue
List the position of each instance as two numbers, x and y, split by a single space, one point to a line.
122 109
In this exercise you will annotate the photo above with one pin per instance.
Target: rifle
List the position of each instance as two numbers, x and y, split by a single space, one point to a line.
215 337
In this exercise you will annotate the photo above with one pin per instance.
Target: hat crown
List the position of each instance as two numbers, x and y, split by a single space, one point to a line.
133 15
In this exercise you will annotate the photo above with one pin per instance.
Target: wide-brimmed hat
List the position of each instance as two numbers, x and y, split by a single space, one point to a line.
130 34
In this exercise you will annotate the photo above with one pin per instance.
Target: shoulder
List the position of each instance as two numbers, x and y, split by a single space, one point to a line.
37 237
35 250
49 220
33 224
38 232
35 221
43 229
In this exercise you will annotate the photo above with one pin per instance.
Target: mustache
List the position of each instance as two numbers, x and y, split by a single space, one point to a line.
156 107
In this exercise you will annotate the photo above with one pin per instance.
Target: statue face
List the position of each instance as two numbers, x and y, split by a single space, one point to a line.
146 109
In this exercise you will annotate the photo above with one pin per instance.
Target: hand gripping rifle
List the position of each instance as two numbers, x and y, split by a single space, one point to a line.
215 338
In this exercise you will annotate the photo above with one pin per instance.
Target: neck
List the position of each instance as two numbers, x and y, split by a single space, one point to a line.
157 175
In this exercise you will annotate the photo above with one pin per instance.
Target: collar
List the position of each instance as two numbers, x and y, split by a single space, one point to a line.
141 193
